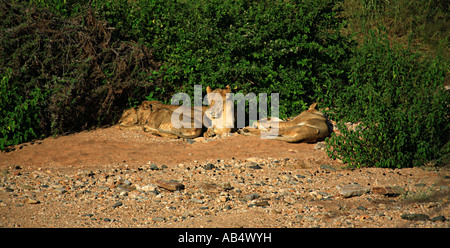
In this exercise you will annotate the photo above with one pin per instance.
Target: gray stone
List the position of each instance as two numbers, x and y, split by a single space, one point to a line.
159 219
199 201
351 190
439 218
255 167
251 197
117 204
320 145
422 217
154 167
208 167
327 167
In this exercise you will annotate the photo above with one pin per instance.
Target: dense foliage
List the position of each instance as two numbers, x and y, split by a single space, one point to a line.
401 105
67 66
289 47
63 74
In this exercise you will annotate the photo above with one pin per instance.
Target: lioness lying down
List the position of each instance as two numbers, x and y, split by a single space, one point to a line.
309 127
155 117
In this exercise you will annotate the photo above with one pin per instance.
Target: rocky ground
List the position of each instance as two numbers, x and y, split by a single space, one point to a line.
102 179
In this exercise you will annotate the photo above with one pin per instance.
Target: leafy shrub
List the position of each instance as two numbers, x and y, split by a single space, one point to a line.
66 74
289 47
399 99
422 24
18 116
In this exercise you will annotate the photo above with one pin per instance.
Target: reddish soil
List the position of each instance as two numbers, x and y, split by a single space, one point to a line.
104 178
110 146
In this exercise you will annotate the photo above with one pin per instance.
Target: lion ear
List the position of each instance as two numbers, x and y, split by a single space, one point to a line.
208 90
227 89
313 106
146 104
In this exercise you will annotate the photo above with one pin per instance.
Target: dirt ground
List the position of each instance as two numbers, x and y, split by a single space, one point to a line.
109 178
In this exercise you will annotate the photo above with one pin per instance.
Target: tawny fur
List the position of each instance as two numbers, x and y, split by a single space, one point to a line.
155 117
309 127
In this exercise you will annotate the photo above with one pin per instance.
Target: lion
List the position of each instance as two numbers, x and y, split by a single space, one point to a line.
156 118
308 127
220 112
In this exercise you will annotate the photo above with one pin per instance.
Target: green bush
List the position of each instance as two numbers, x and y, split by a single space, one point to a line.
399 99
66 73
18 116
289 47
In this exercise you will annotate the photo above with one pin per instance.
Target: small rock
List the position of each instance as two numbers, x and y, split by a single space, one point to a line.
420 185
148 188
154 167
255 167
125 187
169 185
439 218
352 190
31 201
28 187
252 159
262 203
299 176
199 201
387 191
320 146
361 208
159 219
223 198
327 167
251 197
209 166
117 204
226 186
422 217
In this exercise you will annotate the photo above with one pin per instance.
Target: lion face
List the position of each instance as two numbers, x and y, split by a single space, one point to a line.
218 99
143 112
129 117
